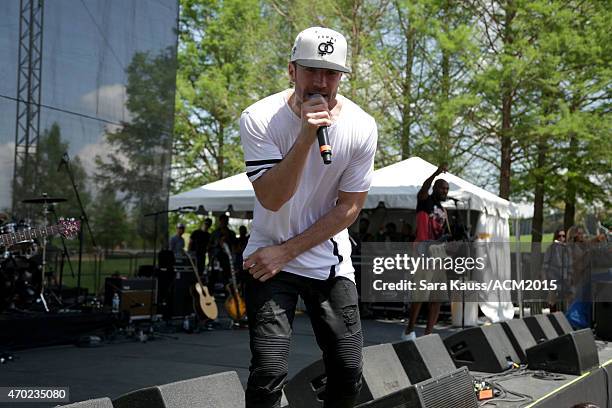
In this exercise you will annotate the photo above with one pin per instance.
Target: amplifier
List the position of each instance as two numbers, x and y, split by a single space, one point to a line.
112 285
137 296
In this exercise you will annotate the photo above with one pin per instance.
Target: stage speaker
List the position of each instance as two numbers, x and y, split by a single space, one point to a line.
451 390
94 403
181 302
520 337
560 323
424 358
602 294
540 327
573 353
383 374
221 390
484 348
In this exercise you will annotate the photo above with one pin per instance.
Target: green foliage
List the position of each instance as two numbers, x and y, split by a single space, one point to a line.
514 95
43 178
138 165
226 63
109 220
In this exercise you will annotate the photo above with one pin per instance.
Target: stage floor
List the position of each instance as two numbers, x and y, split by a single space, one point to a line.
544 392
127 365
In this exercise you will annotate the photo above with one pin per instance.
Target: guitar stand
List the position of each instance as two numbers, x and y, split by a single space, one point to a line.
152 333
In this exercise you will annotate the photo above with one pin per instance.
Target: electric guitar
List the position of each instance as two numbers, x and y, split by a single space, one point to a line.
234 304
65 227
203 302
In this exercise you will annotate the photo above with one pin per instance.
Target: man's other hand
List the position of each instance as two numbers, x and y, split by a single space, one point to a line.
266 262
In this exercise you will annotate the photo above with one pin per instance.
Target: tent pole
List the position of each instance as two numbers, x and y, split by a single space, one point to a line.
517 233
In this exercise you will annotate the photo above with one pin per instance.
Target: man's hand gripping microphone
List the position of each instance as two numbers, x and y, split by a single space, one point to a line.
323 138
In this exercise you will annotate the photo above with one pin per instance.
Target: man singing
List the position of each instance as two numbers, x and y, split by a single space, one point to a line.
299 243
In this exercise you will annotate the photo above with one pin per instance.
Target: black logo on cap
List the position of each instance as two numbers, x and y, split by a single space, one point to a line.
326 48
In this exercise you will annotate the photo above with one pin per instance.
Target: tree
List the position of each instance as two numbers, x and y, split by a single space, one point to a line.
226 63
566 150
46 178
138 164
109 220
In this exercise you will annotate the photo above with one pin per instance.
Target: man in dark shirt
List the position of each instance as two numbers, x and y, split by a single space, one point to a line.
198 243
431 225
222 234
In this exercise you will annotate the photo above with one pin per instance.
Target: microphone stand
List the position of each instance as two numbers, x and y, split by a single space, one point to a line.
65 255
151 334
466 238
156 214
83 217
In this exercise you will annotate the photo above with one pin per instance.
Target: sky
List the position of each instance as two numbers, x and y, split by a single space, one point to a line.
87 45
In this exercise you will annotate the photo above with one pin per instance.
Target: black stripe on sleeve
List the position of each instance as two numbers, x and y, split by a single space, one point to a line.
260 162
254 172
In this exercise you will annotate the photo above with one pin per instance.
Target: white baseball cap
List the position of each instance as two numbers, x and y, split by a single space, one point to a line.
319 47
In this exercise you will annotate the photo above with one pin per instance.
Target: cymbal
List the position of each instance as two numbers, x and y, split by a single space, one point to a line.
43 200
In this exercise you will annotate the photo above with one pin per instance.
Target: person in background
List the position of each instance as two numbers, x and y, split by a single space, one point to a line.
556 266
407 233
431 225
222 234
198 243
364 235
578 257
239 247
177 242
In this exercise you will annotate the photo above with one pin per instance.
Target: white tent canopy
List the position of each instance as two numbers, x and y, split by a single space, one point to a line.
395 185
236 191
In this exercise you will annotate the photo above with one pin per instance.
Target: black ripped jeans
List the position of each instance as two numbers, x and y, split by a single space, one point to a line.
334 315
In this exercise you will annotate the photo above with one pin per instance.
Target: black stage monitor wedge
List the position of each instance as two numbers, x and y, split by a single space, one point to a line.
95 403
603 320
483 348
424 358
540 327
573 353
452 390
520 337
383 374
307 387
221 390
602 294
560 323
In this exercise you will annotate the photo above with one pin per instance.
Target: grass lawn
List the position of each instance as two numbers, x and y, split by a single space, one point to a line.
546 238
94 271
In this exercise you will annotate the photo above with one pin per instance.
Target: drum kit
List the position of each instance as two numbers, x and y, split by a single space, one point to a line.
23 256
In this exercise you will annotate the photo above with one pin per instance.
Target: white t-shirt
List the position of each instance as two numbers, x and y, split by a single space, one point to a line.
268 130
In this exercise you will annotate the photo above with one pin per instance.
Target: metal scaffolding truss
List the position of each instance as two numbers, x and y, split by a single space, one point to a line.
28 95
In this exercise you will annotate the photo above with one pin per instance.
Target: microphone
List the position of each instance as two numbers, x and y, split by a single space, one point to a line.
323 137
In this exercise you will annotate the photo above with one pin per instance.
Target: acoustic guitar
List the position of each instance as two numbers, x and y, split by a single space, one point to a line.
204 303
234 304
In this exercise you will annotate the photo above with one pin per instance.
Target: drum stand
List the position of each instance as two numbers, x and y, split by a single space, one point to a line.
43 267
